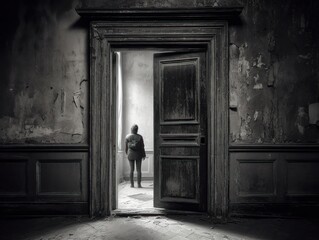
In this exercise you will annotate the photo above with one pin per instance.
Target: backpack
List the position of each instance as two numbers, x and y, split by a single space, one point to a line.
134 145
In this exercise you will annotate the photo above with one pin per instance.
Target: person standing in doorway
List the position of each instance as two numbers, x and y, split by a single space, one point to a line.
134 149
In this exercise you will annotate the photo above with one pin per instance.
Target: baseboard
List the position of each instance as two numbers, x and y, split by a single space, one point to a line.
44 148
274 210
152 212
75 208
274 148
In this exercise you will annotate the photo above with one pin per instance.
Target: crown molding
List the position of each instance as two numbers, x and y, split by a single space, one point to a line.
143 14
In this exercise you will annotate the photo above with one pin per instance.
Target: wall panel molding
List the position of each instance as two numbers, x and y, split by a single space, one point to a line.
252 166
53 179
301 177
41 208
173 14
44 148
274 148
47 181
13 177
295 179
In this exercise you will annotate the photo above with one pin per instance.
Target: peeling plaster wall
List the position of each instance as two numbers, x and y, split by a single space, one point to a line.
274 69
44 82
274 72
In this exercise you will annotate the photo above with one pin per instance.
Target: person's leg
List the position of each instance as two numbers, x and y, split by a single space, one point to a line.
139 172
132 172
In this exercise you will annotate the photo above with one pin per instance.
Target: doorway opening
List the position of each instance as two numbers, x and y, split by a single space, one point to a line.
134 105
164 92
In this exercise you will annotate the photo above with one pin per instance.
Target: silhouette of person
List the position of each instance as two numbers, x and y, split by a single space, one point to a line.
134 148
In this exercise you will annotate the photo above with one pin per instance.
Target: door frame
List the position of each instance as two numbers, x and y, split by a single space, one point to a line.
172 48
110 29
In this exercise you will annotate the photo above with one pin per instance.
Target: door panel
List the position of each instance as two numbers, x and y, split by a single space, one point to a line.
180 120
178 179
179 91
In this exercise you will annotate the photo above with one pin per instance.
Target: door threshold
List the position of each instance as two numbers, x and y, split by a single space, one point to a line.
152 212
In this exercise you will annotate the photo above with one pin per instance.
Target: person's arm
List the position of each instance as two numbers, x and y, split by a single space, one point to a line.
143 149
126 145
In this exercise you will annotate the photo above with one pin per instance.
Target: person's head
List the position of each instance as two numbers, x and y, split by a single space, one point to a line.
134 128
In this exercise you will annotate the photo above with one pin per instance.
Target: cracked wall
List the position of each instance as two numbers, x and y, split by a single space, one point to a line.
44 83
274 70
274 73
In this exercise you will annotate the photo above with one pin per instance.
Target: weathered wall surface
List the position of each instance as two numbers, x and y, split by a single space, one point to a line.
44 82
274 70
274 73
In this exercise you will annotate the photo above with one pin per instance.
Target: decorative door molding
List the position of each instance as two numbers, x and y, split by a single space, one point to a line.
157 29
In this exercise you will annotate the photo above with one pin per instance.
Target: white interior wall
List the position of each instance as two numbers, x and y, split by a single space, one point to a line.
135 105
119 115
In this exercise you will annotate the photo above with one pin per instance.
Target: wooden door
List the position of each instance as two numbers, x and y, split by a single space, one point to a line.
180 135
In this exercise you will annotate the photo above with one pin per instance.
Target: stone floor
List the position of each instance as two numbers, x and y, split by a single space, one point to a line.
198 227
135 198
162 227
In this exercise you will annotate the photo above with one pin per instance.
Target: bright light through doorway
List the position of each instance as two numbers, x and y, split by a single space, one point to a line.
134 75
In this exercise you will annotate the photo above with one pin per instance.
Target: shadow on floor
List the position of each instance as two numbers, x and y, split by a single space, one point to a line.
157 227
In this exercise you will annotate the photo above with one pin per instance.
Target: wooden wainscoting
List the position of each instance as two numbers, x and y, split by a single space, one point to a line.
278 179
44 179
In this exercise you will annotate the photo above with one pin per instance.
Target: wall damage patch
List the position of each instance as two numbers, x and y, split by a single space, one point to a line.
277 49
47 62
